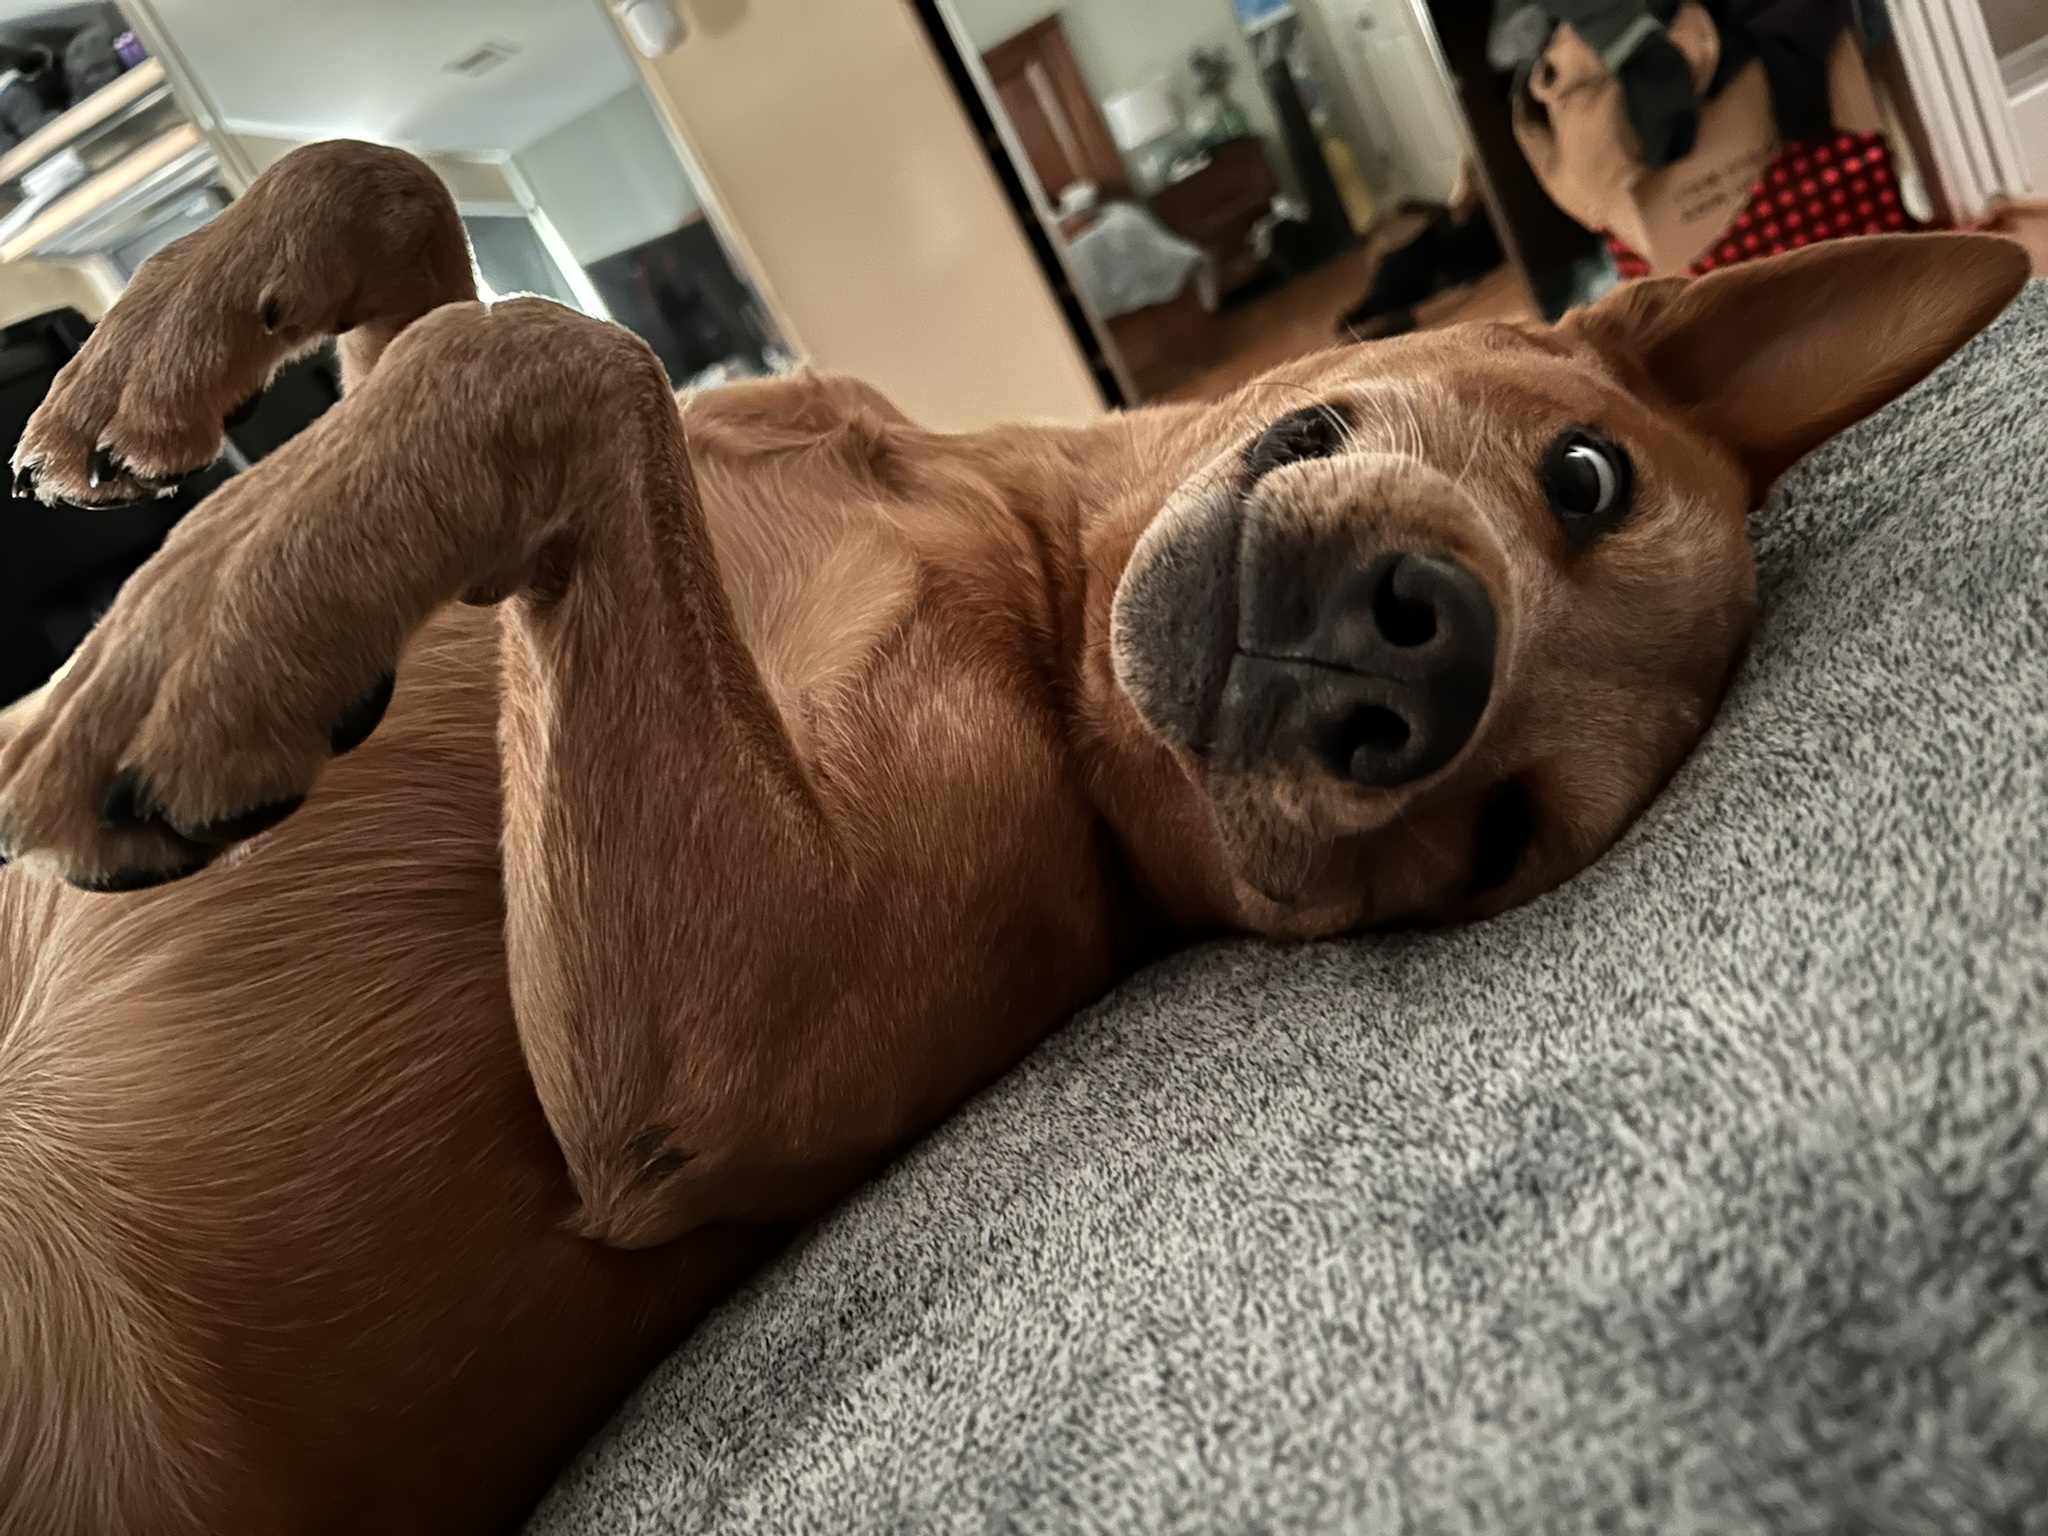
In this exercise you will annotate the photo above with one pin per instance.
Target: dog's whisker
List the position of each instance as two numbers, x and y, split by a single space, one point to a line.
1471 456
1408 824
1311 395
1395 438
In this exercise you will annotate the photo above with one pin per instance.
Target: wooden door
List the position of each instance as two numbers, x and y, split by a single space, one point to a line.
1055 118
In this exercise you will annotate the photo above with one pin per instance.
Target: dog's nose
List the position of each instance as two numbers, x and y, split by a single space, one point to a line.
1380 671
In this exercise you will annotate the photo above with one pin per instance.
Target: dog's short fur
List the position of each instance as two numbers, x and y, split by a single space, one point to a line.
787 773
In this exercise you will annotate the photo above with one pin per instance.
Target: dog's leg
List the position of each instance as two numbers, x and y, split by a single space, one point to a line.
729 973
336 239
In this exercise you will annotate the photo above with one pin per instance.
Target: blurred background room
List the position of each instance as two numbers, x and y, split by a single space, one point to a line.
990 209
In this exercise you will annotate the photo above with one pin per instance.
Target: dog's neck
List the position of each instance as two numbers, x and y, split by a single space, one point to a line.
1085 496
1059 510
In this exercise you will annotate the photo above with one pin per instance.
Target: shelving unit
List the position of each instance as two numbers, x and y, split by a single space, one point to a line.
84 200
116 176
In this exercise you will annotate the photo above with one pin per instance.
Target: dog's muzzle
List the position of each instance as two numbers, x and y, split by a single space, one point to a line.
1250 650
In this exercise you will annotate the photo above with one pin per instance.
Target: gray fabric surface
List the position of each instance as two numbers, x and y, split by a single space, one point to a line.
1705 1194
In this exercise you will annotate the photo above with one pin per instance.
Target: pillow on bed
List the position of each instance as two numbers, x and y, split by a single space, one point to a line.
1706 1193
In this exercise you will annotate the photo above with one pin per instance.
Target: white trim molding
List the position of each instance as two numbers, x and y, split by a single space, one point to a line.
1953 71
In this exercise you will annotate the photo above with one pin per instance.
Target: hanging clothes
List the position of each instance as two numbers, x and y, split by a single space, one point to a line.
1793 38
1873 23
1520 29
1574 131
1574 128
1659 94
1656 82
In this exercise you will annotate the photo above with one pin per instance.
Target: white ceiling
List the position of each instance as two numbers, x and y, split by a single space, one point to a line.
376 69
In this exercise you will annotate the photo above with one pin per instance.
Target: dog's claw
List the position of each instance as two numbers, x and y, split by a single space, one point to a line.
125 803
362 717
236 829
105 466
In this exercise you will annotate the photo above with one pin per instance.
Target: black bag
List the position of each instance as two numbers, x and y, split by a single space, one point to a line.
90 61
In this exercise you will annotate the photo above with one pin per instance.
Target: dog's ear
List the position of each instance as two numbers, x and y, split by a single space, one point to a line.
1772 357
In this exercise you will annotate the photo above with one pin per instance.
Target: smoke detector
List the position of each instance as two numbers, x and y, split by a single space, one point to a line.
655 26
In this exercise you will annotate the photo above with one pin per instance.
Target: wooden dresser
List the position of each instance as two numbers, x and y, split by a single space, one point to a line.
1217 206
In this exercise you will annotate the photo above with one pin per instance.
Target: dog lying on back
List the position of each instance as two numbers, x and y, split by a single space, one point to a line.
761 778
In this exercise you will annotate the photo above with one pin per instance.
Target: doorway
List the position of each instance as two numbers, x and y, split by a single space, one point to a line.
535 117
1221 183
2019 35
1383 51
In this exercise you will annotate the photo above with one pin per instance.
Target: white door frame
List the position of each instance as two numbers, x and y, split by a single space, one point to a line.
1424 147
2030 119
1972 133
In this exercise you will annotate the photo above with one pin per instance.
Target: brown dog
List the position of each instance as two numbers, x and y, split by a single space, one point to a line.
787 773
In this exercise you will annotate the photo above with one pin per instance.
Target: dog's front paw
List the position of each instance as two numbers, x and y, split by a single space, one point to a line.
146 400
193 718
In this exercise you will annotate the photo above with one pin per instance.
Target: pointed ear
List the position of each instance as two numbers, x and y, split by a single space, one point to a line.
1772 357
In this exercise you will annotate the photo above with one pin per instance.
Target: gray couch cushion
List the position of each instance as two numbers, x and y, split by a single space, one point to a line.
1704 1194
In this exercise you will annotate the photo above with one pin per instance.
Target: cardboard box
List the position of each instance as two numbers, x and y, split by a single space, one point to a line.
1587 159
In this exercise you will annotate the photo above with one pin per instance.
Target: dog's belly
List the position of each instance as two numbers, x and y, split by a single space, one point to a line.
285 1195
279 1213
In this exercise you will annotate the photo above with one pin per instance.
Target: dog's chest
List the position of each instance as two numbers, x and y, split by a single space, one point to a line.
817 584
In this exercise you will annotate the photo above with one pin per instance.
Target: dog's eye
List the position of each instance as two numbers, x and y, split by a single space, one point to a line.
1313 432
1587 478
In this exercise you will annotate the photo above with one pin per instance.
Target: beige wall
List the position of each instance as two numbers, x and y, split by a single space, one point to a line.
29 288
262 150
831 141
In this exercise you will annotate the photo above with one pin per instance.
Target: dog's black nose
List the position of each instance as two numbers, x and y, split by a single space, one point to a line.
1379 671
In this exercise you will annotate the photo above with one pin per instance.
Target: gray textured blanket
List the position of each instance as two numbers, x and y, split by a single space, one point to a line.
1705 1194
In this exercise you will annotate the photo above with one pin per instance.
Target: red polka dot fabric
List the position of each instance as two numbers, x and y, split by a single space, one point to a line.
1817 189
